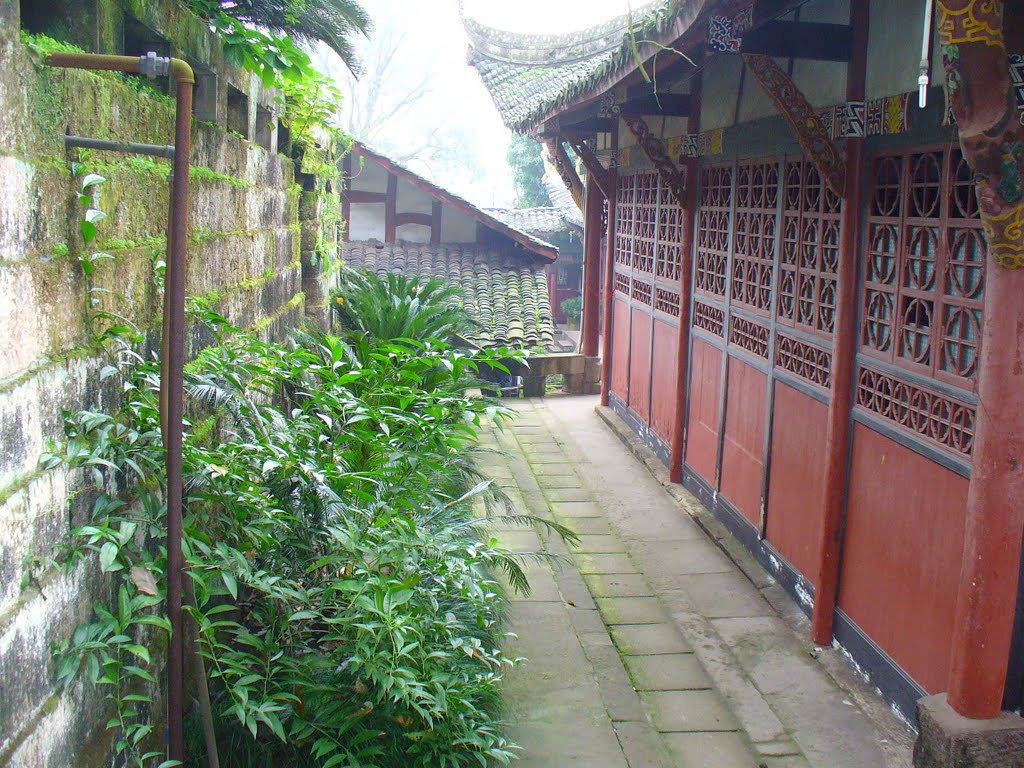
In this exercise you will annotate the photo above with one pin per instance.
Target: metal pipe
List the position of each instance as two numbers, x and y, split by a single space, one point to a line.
172 365
126 147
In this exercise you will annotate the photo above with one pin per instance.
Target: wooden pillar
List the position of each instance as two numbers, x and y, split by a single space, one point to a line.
844 349
435 222
991 132
692 171
609 281
346 206
590 325
391 209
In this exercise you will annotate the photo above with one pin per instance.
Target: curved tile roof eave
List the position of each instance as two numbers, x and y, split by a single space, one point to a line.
551 81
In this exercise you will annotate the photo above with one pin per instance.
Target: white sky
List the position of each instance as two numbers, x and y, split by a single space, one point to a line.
457 103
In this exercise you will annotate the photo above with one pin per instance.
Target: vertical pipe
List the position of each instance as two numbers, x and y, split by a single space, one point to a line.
675 466
844 348
175 286
983 622
609 281
590 326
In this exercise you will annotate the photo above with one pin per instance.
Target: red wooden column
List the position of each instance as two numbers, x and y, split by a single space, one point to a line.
844 348
590 326
974 52
609 279
692 170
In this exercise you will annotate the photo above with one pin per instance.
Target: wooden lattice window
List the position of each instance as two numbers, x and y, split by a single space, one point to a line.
924 273
645 230
713 230
625 200
809 261
757 199
668 258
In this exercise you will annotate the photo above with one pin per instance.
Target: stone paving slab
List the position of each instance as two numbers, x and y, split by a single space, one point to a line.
648 639
598 544
617 585
711 750
631 610
689 711
673 672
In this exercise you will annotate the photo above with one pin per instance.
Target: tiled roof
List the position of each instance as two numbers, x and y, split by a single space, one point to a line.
527 240
528 76
561 198
546 220
505 296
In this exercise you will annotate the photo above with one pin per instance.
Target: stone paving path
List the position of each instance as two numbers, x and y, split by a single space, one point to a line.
650 647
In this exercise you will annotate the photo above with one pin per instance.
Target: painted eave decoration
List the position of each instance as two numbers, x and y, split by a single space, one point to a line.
530 77
546 251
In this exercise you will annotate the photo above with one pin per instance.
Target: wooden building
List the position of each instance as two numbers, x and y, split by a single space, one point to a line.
815 312
400 222
560 224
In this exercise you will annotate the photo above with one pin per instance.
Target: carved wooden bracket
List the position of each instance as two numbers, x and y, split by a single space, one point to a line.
566 170
604 178
991 124
654 148
803 119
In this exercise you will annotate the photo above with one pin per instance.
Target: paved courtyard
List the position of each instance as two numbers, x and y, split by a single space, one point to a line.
658 642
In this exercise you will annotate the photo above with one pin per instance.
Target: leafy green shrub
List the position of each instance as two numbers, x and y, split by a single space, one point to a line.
573 309
343 597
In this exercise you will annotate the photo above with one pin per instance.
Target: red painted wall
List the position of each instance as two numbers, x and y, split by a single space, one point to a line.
664 370
702 419
620 348
797 484
640 365
743 449
902 554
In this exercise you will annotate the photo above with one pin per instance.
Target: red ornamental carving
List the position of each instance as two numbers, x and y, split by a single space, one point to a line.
803 119
655 150
984 103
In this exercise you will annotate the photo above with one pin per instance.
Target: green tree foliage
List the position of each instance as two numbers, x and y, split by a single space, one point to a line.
525 158
334 22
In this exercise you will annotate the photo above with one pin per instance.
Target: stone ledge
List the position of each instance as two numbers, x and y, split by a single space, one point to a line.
949 740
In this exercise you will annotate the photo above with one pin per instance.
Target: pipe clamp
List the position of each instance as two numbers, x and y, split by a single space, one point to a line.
153 66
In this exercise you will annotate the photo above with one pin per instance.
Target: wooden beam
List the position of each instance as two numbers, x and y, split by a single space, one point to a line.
588 126
800 40
424 219
566 170
390 203
362 196
654 148
601 175
435 223
668 104
803 119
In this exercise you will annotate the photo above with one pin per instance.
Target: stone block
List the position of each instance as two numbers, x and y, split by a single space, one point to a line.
649 639
946 739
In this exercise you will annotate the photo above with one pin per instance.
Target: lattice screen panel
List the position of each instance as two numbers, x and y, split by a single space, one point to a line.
713 230
924 280
757 199
809 258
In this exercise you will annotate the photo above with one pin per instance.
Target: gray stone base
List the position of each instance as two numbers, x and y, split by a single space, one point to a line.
949 740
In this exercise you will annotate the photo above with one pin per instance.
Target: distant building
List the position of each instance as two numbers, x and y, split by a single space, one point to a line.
560 224
400 222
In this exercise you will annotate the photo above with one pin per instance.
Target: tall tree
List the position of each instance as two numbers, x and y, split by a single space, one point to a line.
333 22
527 162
